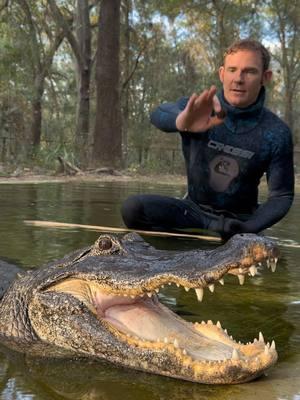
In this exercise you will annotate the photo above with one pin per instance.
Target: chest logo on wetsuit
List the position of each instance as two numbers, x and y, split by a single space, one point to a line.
223 170
235 151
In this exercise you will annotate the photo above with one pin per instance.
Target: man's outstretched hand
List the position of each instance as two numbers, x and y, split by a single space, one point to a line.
196 117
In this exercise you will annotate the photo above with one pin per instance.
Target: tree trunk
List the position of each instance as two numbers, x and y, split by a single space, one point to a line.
83 84
107 149
36 125
126 83
81 46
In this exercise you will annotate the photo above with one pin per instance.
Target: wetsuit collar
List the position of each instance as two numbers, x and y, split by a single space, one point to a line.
241 120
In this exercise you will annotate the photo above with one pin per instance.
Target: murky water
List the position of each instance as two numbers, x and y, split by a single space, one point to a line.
270 302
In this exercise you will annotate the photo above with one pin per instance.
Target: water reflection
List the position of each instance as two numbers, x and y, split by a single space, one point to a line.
269 302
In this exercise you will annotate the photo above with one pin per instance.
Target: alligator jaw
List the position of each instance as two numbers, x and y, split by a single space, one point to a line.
204 351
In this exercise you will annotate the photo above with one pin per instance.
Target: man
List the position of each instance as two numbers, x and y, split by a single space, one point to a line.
229 141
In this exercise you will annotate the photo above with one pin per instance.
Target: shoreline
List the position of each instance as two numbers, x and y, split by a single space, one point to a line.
31 178
118 177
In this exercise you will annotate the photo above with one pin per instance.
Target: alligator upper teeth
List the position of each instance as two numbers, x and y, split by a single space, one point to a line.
241 279
272 262
199 293
211 287
253 270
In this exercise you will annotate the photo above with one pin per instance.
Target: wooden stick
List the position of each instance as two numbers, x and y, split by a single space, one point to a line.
54 224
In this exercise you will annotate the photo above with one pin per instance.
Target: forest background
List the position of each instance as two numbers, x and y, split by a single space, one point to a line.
79 78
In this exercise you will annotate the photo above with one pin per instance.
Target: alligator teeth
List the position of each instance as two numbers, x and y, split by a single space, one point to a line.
219 325
211 287
209 322
176 344
261 338
166 340
266 351
149 294
273 264
162 286
273 346
186 289
221 281
199 293
235 355
157 290
177 284
253 270
184 352
241 279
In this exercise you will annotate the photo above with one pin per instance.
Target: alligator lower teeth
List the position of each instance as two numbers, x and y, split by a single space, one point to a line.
235 355
273 346
261 337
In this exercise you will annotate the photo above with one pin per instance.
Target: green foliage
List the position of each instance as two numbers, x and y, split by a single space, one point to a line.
168 49
46 157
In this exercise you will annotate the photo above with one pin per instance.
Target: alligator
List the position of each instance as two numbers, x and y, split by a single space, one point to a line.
102 302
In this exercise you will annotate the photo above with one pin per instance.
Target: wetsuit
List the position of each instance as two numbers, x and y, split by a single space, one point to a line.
224 167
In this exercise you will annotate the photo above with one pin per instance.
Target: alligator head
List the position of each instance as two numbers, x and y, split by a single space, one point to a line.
102 302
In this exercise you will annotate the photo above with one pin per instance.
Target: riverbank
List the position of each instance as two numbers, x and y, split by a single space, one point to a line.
94 176
28 176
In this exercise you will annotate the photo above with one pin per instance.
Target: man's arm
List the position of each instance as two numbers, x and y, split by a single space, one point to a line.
164 116
195 114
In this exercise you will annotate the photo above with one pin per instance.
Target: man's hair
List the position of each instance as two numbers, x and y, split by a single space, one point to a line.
251 45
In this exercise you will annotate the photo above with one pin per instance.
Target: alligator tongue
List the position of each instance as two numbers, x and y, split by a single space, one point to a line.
151 321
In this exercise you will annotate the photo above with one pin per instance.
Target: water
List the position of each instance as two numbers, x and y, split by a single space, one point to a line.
270 302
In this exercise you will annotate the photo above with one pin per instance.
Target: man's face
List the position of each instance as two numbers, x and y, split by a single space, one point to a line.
242 76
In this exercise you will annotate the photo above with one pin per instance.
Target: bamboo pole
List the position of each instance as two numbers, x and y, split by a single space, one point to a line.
54 224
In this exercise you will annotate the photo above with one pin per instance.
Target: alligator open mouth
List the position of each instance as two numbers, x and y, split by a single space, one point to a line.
205 351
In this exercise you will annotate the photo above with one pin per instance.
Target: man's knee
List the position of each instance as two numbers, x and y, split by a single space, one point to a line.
132 211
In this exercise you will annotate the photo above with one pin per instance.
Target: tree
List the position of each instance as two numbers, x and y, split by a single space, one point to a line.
286 16
107 147
42 52
81 47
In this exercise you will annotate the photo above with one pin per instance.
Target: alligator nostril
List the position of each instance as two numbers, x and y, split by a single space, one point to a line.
105 244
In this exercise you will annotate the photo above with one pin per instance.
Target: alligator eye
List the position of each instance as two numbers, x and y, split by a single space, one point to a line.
105 244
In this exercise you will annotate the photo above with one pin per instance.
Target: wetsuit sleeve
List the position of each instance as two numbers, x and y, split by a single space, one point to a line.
280 179
164 116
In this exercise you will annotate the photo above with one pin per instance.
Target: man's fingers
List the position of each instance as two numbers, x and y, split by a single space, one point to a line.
202 98
211 92
216 104
191 102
